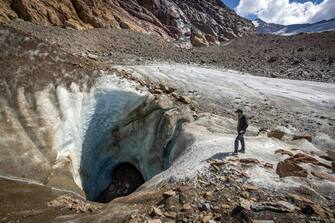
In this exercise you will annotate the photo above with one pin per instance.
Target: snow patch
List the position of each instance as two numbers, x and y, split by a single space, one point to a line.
256 23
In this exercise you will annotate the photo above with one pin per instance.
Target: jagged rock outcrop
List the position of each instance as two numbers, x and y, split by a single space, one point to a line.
214 20
198 22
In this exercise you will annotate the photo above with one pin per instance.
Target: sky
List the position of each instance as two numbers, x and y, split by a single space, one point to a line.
284 12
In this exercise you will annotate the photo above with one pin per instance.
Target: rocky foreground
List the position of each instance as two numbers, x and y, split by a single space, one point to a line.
221 192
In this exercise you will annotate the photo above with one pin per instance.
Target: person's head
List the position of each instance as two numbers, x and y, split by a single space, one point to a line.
238 112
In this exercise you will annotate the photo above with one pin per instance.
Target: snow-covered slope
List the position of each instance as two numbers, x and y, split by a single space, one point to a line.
264 27
271 28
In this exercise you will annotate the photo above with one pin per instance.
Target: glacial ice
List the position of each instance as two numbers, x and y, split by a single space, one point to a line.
88 130
91 129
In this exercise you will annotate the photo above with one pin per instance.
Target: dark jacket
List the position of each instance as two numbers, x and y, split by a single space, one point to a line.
242 123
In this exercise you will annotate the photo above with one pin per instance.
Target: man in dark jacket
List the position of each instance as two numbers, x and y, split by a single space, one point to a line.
242 125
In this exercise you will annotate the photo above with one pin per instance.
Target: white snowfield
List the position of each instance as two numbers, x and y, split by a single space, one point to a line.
213 136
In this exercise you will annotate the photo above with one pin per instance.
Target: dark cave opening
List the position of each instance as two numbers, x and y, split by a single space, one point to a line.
126 178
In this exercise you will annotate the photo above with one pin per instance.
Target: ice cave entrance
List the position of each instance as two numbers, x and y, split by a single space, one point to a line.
125 179
116 136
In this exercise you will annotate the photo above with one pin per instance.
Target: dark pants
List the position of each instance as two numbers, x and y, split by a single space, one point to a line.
239 137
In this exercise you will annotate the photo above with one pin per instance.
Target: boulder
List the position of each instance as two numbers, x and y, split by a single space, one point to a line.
207 218
171 203
73 204
325 157
171 214
280 207
249 161
156 212
249 187
209 194
303 158
289 167
298 137
157 91
186 207
199 42
165 88
315 209
154 221
169 193
186 194
324 176
245 194
307 206
205 207
245 204
331 154
299 200
276 134
272 59
268 165
284 152
185 99
262 221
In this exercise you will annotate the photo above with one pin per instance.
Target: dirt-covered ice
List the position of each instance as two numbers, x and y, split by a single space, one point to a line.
220 85
212 136
305 105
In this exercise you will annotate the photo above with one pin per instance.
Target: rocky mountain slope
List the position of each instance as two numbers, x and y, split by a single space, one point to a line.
197 22
294 57
271 28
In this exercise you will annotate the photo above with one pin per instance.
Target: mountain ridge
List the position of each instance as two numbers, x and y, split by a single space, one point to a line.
196 22
277 29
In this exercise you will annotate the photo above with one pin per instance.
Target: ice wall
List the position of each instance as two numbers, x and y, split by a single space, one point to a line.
83 132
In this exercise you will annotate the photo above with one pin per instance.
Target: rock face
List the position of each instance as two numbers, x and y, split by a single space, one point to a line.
199 22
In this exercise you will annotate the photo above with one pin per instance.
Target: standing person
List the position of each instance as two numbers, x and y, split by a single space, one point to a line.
242 125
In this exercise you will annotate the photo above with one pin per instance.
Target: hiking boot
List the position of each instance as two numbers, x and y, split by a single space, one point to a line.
242 151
